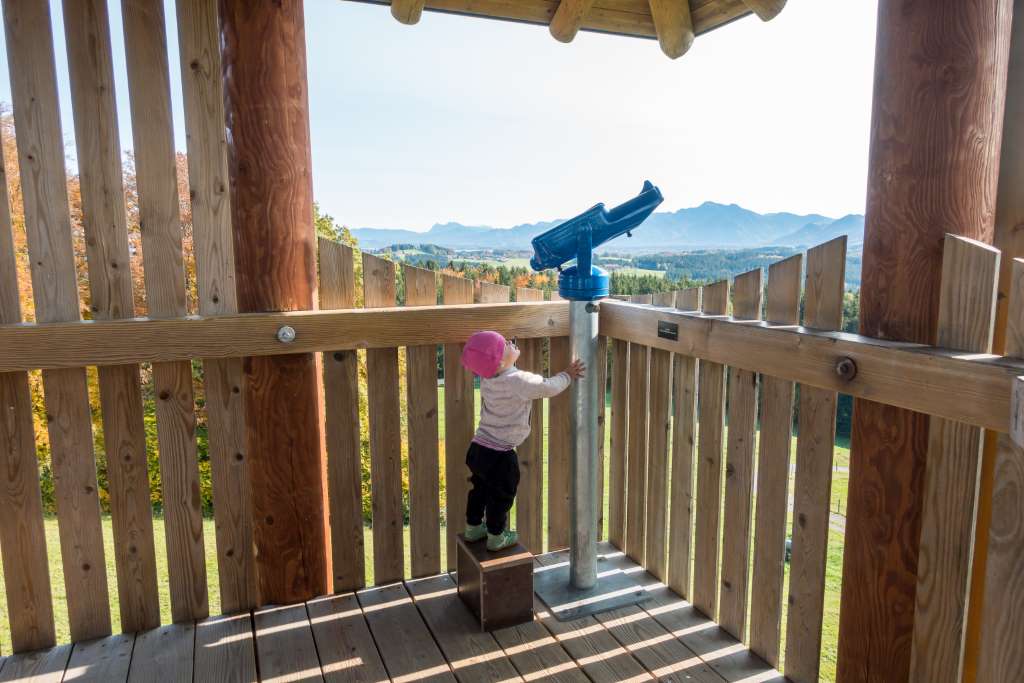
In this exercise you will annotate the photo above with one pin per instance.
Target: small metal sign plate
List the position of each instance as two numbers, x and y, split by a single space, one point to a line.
667 330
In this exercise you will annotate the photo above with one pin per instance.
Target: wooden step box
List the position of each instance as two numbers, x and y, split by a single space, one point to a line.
497 587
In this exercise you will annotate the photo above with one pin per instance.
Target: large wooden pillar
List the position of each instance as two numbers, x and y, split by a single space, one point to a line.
940 69
266 105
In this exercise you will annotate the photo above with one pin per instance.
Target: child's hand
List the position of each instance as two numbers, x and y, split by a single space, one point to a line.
576 370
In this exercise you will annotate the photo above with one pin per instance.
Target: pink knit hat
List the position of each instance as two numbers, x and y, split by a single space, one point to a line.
483 353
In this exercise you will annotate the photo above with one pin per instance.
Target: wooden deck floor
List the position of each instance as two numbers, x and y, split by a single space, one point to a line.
413 631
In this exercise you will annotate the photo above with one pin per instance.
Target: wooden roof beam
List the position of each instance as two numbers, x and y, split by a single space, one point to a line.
568 18
407 11
766 10
674 26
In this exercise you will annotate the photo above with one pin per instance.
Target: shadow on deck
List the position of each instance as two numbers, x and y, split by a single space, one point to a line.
414 631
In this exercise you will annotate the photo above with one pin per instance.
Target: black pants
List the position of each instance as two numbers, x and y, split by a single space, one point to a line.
495 478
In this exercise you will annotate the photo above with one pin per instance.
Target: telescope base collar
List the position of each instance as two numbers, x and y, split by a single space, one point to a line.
576 287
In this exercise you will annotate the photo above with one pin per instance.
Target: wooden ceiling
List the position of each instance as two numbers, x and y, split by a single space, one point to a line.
674 23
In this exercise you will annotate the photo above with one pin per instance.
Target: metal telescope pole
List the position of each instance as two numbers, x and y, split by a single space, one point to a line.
583 425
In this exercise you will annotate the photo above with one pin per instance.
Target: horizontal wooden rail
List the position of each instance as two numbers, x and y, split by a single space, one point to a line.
138 340
967 387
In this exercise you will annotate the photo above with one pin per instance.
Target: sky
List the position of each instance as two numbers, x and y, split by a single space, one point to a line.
495 123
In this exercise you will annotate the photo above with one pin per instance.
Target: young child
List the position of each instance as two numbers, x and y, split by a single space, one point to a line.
506 394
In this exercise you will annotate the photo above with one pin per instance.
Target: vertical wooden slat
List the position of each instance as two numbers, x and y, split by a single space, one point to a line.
559 448
156 174
458 419
783 307
710 407
816 435
530 497
970 274
491 293
385 431
1001 659
619 444
660 398
636 459
739 469
424 472
341 425
22 535
602 383
48 229
684 425
198 44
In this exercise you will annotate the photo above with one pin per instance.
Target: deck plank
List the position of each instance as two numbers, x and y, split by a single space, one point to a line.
42 666
343 641
104 660
406 646
225 651
285 649
728 657
163 654
474 655
588 643
536 654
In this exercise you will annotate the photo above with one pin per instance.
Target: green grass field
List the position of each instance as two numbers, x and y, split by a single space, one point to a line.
830 630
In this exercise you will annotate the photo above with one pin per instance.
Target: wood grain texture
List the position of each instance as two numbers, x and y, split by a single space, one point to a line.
407 11
776 435
41 666
656 516
619 444
105 660
674 26
385 431
636 459
748 293
285 648
766 10
970 274
404 641
684 435
344 645
198 46
815 448
146 50
263 61
914 196
121 342
605 16
458 419
559 450
530 496
22 536
424 465
110 287
164 654
568 18
474 654
537 655
225 650
341 425
593 648
48 232
491 293
1007 238
711 411
972 388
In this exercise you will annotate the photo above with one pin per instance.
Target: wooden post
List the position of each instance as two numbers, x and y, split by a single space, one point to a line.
266 107
940 70
1009 239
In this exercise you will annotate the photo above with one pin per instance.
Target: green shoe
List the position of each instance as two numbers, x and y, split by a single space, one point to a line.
475 533
505 539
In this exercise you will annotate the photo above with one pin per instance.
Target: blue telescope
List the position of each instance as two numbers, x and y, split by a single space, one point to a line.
578 237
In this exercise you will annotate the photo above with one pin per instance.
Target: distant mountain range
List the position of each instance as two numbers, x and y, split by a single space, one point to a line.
708 226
